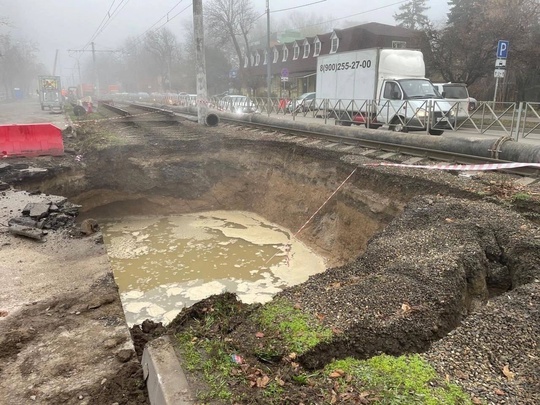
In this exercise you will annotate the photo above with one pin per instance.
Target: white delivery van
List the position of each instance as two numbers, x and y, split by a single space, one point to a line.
381 86
458 95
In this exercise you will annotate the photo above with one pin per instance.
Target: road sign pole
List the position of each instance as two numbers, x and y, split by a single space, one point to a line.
495 94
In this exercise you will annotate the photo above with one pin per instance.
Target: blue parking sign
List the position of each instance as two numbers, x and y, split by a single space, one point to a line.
502 49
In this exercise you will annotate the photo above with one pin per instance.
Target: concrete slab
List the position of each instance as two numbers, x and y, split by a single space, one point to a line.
368 152
387 155
347 148
165 379
413 160
525 181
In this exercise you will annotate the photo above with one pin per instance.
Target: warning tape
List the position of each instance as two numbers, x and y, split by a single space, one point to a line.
482 167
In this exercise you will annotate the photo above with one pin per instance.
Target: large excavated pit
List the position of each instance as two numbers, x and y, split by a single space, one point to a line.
409 256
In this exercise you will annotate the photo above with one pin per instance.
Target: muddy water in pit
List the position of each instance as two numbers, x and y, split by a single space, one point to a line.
162 264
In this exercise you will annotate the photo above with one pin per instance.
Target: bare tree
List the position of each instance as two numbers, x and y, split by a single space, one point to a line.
18 65
308 24
232 21
164 46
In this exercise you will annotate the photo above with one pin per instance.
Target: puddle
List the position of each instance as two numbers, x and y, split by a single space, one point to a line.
162 264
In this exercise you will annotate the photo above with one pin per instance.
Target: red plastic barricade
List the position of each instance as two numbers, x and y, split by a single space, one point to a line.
30 140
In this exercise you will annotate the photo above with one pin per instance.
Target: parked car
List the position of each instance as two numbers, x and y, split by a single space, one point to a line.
458 93
305 102
237 104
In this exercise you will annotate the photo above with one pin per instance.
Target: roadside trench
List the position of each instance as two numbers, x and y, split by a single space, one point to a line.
409 256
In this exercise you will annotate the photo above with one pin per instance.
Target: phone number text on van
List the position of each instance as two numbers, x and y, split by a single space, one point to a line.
357 64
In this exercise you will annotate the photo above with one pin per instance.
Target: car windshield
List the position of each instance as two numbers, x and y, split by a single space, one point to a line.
419 88
455 91
305 95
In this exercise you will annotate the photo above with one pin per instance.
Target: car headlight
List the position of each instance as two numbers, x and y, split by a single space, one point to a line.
451 113
422 113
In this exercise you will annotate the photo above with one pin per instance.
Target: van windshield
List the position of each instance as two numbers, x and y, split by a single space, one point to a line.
418 88
455 91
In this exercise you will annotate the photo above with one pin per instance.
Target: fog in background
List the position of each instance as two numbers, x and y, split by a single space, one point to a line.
64 25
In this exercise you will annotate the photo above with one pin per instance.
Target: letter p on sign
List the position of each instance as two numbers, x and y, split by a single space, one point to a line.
502 49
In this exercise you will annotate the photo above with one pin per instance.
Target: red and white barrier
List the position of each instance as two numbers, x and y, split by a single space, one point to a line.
482 167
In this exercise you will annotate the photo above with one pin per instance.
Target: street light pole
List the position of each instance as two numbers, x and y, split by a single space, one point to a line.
268 59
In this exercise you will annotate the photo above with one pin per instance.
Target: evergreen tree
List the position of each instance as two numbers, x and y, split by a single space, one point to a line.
412 15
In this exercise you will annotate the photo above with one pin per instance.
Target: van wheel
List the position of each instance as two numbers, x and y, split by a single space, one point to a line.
436 131
396 125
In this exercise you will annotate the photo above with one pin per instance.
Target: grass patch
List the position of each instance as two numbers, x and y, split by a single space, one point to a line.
396 380
210 359
521 196
296 329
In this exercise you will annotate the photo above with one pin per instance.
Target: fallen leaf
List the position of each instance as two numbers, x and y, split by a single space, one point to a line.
449 220
476 401
405 307
292 356
263 381
337 373
280 382
509 375
335 285
320 317
3 313
334 399
297 306
499 392
259 335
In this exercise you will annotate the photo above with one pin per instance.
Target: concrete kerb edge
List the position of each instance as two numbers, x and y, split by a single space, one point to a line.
165 379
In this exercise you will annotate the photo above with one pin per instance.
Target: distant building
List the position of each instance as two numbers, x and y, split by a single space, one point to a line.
297 58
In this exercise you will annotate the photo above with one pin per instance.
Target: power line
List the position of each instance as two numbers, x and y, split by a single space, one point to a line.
354 15
292 8
107 19
139 38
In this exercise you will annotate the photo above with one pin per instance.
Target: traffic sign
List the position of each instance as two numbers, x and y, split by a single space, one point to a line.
502 49
284 72
499 73
500 63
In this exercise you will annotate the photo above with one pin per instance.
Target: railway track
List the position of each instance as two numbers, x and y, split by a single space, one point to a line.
390 150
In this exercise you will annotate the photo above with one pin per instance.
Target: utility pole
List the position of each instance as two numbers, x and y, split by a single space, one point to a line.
202 92
96 78
95 72
55 60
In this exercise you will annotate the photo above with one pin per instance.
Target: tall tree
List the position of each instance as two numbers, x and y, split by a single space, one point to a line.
464 50
164 46
232 21
412 15
18 65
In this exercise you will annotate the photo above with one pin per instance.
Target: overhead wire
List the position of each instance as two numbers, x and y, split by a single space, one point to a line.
140 38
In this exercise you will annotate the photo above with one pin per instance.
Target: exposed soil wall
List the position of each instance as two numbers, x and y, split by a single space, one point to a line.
283 182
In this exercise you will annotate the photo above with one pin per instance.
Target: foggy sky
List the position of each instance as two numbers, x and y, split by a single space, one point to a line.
70 24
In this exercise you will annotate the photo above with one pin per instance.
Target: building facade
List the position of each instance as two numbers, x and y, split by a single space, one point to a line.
293 64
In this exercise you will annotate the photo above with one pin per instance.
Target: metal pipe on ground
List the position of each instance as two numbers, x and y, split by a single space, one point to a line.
503 148
210 120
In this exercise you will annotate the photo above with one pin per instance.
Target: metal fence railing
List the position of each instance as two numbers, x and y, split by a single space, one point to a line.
514 120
